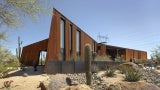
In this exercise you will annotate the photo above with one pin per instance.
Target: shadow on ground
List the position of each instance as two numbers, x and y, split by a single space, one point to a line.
28 70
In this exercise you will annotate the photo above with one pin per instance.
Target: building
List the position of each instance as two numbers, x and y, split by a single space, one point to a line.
124 53
67 42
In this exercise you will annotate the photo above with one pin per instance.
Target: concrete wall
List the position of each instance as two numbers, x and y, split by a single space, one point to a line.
53 67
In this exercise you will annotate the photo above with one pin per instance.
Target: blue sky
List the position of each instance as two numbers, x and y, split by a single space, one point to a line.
132 24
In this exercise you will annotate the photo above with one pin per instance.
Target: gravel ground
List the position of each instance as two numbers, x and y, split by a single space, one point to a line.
151 76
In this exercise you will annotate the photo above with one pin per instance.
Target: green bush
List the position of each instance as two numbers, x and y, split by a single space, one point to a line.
95 69
7 67
102 58
110 72
132 75
123 69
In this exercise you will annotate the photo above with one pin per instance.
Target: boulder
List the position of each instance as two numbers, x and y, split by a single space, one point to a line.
25 75
77 87
140 65
158 67
133 86
114 87
129 65
58 81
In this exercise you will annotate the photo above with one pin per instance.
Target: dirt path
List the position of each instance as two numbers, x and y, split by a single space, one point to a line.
26 83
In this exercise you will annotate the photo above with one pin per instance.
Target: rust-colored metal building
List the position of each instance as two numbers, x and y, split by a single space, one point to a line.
125 53
67 42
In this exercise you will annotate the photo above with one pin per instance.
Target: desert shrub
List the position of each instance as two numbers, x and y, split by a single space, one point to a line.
102 58
95 69
132 75
123 69
110 72
143 61
8 66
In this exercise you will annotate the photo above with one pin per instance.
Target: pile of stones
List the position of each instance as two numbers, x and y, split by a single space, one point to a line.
80 78
151 76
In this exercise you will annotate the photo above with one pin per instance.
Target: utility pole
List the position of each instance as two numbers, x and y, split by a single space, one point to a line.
103 39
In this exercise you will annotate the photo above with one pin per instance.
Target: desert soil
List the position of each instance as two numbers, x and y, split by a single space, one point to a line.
25 83
33 79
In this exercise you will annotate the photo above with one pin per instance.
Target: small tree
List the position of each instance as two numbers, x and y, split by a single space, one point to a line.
156 53
13 12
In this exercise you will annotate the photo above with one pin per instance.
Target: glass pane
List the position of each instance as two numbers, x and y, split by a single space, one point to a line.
78 44
62 30
77 40
62 34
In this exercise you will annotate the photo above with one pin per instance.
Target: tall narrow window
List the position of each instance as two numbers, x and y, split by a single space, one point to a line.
62 39
78 44
70 41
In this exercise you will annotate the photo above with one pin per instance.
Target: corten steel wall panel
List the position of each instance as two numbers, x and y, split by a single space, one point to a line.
85 39
129 54
82 45
143 55
67 53
74 41
102 50
135 55
124 54
31 52
54 38
127 58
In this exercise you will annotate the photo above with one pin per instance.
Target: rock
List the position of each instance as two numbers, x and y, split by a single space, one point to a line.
75 83
25 75
77 87
1 75
140 65
151 76
57 81
68 81
133 86
80 78
158 67
158 84
114 87
129 65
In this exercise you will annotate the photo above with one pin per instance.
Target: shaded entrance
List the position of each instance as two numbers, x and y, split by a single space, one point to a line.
42 58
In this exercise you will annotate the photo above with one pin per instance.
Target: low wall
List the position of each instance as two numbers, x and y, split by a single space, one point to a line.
53 67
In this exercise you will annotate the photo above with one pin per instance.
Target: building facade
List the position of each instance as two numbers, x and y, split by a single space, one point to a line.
124 53
67 42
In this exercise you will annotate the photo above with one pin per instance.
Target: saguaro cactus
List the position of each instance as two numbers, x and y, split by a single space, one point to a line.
18 49
88 64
